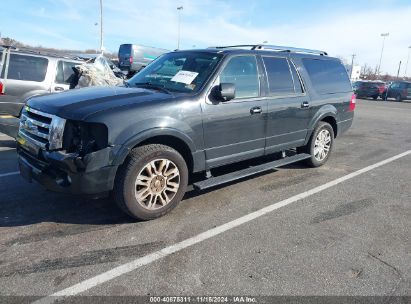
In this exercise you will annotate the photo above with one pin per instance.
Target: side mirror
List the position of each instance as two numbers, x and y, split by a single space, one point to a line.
226 91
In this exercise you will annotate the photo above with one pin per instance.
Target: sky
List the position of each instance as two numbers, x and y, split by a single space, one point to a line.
340 27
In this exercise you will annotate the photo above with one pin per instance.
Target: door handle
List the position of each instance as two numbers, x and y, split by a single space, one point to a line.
256 110
58 89
305 104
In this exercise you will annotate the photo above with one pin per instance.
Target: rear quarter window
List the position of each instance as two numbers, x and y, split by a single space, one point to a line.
327 76
28 68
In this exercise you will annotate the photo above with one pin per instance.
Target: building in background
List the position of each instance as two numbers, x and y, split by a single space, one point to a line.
355 73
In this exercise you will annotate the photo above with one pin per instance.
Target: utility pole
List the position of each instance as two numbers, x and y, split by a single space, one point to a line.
399 68
101 27
352 64
179 9
383 35
408 58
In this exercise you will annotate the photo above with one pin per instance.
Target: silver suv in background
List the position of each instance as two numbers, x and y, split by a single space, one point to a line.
26 73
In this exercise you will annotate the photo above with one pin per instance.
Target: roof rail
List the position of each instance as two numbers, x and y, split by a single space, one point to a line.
29 50
274 48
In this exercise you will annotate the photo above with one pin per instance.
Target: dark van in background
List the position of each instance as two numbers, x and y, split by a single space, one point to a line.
132 57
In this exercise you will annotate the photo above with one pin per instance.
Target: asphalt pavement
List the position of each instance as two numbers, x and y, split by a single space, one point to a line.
352 238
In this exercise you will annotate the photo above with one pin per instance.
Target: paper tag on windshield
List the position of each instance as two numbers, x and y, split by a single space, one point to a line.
186 77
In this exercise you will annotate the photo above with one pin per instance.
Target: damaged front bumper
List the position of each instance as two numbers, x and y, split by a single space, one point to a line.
92 174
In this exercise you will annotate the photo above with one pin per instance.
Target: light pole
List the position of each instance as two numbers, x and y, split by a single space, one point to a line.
180 8
408 58
399 68
383 35
101 27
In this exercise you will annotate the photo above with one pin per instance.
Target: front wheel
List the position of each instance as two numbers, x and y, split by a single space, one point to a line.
398 97
320 145
151 182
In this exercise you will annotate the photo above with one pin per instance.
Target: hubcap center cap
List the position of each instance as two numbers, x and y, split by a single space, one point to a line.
157 184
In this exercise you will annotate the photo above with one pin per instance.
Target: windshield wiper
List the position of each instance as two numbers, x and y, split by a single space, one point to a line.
152 86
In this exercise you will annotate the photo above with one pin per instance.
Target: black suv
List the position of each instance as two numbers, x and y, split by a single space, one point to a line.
400 90
187 112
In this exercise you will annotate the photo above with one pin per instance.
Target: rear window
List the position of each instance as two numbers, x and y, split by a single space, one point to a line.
124 50
327 76
29 68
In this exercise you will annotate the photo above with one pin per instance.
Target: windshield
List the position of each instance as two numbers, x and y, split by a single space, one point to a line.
179 72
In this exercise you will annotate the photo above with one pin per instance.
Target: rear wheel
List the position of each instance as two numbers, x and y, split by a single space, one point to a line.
375 97
151 182
398 97
320 145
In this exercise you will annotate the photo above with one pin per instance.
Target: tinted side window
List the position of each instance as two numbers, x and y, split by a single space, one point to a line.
65 72
28 68
242 71
279 76
327 76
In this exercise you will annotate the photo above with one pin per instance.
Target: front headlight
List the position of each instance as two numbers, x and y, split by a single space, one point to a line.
56 133
84 137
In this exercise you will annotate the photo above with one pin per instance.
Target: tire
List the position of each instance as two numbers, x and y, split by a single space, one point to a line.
151 182
375 97
398 98
316 161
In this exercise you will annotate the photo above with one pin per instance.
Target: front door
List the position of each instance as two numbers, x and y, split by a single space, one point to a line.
235 130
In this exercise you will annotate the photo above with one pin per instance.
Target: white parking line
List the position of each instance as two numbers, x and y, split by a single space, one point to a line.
150 258
7 149
9 173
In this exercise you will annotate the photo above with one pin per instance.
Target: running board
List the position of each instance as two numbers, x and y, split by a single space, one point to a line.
226 178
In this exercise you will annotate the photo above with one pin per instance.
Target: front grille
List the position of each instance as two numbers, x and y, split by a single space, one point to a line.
35 127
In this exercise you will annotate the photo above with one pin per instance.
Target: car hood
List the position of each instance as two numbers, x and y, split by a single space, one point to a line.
78 104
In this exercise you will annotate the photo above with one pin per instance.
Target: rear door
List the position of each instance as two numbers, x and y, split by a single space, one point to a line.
64 75
289 109
125 53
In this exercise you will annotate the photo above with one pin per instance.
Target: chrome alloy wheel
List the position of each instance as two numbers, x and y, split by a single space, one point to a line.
322 145
157 184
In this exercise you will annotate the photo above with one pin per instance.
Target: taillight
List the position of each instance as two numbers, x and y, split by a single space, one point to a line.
405 92
353 101
131 60
1 88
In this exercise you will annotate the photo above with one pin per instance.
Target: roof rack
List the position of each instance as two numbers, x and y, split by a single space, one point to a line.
28 50
274 48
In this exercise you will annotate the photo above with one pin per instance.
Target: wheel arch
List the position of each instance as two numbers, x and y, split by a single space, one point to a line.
333 122
328 114
169 137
